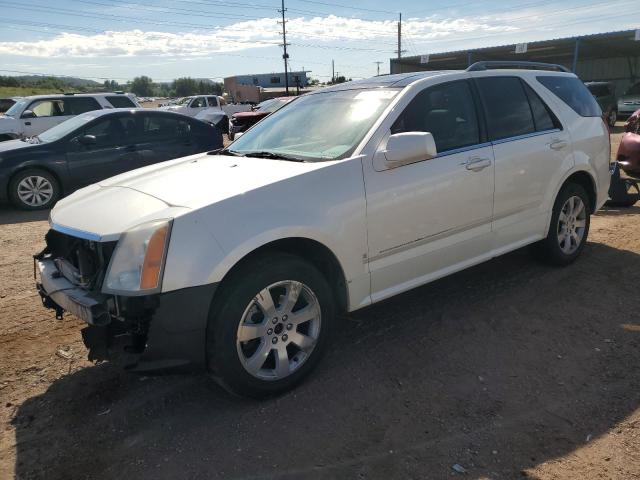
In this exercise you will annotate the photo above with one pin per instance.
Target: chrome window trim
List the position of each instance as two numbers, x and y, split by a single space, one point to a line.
475 146
526 135
76 233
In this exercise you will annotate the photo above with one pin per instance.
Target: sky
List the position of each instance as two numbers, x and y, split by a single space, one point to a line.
121 39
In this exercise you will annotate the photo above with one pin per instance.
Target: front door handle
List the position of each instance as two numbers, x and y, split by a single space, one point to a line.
475 164
27 123
557 144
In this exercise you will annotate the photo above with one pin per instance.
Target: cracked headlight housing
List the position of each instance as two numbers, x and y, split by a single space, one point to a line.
137 263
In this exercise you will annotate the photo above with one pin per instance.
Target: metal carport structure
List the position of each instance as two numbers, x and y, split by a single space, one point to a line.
613 56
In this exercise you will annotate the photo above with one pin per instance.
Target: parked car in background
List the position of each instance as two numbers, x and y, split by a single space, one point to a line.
605 95
193 105
242 121
241 262
7 103
215 117
628 154
630 101
35 172
33 115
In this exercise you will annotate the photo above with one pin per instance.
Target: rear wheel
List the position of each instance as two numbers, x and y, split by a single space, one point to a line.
34 189
569 227
269 325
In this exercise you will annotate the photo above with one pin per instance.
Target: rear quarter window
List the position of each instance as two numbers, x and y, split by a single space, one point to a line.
78 105
121 101
574 93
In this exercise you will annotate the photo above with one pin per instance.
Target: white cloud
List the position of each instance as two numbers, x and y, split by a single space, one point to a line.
263 32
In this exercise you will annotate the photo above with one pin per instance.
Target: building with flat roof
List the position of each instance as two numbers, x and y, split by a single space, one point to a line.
250 88
613 57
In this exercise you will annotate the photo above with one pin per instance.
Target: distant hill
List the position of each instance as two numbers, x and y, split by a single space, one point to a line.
71 81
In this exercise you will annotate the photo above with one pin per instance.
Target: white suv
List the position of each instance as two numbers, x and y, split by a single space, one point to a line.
31 116
241 260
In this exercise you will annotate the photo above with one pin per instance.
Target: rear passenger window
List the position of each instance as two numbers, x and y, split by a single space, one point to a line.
574 93
161 128
542 116
121 101
447 111
78 105
506 106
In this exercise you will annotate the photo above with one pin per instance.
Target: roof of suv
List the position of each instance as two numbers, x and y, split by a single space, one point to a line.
400 80
71 95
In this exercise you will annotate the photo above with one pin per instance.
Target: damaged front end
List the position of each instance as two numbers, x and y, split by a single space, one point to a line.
71 275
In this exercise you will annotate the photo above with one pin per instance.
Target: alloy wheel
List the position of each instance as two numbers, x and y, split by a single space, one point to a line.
572 223
35 191
278 330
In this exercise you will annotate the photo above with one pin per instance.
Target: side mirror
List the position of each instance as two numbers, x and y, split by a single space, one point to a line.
87 139
28 114
409 147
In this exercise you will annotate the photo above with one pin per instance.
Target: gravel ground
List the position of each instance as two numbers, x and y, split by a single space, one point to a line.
508 370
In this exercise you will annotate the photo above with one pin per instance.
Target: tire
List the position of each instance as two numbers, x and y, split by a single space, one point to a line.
46 194
633 191
246 360
6 138
554 249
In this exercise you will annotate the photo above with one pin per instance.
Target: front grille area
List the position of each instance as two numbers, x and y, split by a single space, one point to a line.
82 262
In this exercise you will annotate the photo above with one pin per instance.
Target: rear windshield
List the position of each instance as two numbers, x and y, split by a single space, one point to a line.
121 101
572 92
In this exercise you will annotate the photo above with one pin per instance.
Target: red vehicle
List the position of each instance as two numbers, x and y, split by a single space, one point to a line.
629 150
241 121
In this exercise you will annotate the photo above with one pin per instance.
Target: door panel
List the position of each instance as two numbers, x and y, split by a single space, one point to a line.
163 138
432 217
114 152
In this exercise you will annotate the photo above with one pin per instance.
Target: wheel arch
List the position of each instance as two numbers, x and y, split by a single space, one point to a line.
311 250
586 181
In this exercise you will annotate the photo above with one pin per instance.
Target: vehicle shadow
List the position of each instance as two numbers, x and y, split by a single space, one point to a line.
498 369
10 215
613 211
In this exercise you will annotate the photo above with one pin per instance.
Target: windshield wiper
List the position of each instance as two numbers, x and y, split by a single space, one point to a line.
273 155
226 151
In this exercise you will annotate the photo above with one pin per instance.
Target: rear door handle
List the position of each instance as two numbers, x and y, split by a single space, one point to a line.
475 164
557 144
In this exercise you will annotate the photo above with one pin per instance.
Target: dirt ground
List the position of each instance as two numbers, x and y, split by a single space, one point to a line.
508 370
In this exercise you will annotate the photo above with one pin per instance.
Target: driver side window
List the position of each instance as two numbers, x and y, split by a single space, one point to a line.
48 108
198 103
112 132
447 111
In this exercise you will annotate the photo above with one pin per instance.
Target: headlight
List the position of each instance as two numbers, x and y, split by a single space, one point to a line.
137 264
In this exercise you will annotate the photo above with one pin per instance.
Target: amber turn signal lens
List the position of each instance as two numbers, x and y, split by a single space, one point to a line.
153 259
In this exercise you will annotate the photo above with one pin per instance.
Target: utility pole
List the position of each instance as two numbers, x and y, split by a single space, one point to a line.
333 72
285 55
378 65
400 36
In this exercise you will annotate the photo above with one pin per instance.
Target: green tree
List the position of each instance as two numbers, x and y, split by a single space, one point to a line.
142 86
185 86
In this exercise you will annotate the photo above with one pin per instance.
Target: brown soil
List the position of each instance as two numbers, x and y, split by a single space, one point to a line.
510 369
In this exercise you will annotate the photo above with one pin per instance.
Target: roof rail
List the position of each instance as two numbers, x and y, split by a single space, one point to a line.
68 93
488 65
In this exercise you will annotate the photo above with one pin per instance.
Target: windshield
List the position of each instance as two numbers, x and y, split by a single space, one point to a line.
16 108
633 90
266 105
183 101
65 128
321 126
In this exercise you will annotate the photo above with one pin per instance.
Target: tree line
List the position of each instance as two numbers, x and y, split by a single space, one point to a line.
181 87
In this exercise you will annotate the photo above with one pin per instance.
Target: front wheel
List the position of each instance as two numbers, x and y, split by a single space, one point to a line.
568 229
34 189
269 325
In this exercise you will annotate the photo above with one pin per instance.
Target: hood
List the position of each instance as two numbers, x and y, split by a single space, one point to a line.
253 114
99 213
11 145
9 124
201 180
